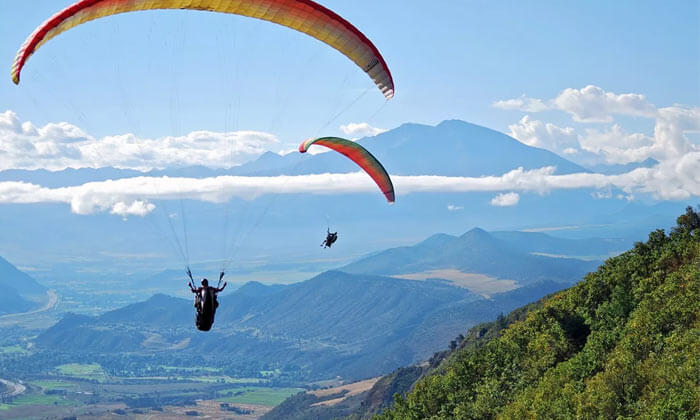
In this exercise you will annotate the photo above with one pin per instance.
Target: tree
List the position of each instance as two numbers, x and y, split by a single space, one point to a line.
690 220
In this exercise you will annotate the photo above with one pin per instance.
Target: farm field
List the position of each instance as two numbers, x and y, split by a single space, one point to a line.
269 397
85 390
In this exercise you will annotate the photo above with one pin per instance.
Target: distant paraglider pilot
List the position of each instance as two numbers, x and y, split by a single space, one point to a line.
205 300
331 237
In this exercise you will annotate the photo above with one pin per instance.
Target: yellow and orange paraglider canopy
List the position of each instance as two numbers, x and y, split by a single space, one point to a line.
302 15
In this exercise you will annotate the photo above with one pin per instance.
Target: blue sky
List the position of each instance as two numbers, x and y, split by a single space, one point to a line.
168 73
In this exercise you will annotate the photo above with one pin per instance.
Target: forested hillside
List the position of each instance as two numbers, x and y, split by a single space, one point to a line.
623 343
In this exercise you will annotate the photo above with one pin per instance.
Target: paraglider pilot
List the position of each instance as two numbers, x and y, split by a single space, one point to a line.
206 288
331 237
205 300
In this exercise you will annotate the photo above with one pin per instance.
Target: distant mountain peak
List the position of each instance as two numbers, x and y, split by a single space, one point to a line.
466 125
436 240
270 156
456 123
485 240
251 287
257 289
476 232
410 125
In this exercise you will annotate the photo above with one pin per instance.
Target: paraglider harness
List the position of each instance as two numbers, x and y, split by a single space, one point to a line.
330 238
205 302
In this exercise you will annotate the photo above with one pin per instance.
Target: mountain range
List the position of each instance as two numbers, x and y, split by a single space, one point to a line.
477 251
352 325
333 324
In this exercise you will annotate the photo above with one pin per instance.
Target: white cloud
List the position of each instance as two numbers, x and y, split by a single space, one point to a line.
452 207
671 126
612 144
523 103
505 199
628 197
589 104
133 196
545 135
602 195
359 130
593 104
135 208
57 146
675 179
616 146
668 143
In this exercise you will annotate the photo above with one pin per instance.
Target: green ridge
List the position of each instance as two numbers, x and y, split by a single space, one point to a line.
623 343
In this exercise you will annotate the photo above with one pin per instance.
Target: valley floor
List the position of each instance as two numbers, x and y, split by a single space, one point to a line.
88 395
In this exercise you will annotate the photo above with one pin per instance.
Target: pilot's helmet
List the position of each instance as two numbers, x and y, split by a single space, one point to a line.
205 282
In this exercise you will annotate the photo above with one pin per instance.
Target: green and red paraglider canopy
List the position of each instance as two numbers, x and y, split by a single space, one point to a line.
360 156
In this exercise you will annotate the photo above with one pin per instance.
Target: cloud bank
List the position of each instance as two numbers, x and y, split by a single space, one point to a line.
134 196
57 146
593 104
610 144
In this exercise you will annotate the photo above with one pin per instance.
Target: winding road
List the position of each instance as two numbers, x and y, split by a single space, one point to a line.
50 304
